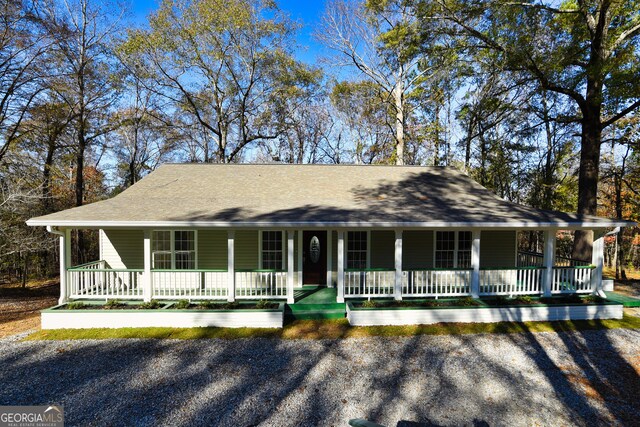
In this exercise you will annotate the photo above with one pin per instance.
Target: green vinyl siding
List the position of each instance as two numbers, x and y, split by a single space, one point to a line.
417 249
212 249
382 246
497 249
123 248
246 249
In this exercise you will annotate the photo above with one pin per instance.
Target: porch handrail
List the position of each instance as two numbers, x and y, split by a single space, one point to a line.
591 267
85 266
529 267
351 270
258 270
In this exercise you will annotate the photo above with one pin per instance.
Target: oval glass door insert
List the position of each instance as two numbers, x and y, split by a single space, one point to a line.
314 249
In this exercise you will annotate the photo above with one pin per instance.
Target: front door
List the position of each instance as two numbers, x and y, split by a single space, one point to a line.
314 257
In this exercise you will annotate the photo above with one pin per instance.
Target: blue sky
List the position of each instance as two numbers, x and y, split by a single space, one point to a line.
307 12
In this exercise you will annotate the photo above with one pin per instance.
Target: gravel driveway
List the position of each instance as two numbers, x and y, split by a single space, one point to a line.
573 378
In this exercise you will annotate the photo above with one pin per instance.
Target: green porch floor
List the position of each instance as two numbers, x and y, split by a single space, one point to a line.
625 300
315 302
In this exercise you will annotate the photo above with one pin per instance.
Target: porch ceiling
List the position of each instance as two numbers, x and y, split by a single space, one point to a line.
208 195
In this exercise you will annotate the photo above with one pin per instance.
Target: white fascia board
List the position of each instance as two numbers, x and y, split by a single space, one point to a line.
331 224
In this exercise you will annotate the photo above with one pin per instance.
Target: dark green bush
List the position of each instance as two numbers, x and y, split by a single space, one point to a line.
77 305
182 304
114 303
151 305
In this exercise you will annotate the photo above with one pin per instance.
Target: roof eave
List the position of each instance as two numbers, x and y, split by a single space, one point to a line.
331 224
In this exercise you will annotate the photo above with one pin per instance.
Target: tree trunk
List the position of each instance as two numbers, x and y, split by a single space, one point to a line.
398 99
591 139
47 197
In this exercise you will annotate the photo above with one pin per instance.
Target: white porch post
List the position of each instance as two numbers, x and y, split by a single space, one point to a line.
65 263
340 297
300 250
597 259
147 282
549 258
397 291
290 246
475 263
231 267
329 258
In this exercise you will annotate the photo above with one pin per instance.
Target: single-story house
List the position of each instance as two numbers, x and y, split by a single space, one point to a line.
259 231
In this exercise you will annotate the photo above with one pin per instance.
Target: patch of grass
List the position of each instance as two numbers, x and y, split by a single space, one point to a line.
78 305
370 304
335 329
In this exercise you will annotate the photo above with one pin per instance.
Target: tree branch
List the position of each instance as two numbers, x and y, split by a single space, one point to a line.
621 114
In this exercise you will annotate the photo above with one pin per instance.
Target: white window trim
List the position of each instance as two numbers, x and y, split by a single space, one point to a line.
346 247
172 236
283 250
455 245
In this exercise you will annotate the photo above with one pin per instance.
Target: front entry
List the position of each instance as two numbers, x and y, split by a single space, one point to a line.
314 257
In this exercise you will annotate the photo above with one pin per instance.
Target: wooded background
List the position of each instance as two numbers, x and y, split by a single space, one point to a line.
536 100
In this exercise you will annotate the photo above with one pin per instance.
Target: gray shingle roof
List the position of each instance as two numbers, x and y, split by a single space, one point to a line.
211 195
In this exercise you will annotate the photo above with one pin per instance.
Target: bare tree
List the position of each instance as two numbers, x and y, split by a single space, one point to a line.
373 40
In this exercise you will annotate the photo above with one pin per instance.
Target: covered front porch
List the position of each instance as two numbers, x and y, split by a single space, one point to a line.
276 264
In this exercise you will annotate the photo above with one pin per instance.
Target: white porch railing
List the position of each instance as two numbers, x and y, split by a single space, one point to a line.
572 280
369 283
259 284
512 281
189 284
89 281
436 283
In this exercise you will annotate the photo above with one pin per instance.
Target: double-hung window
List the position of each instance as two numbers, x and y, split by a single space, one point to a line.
272 250
357 244
173 250
453 249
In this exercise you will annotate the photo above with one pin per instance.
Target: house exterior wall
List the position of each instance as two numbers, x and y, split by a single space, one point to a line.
498 249
417 249
212 249
246 249
122 248
382 249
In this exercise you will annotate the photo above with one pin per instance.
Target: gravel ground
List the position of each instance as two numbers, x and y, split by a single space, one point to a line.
572 378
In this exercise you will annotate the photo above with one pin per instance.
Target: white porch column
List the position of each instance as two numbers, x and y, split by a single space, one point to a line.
300 250
231 267
329 258
290 246
549 258
397 289
475 263
65 263
597 259
147 282
340 297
